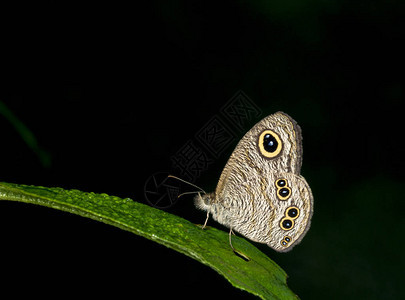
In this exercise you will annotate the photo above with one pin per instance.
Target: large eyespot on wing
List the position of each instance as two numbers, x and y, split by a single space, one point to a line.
270 144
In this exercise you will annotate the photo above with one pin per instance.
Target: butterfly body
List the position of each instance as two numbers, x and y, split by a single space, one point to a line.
261 193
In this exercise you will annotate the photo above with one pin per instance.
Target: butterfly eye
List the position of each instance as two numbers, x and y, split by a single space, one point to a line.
270 144
286 224
293 212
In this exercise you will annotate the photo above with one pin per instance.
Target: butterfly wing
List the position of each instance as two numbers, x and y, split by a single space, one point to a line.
247 198
248 154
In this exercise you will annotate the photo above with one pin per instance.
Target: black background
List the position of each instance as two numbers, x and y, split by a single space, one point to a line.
112 91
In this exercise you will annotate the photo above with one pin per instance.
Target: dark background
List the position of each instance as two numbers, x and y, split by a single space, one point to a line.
112 91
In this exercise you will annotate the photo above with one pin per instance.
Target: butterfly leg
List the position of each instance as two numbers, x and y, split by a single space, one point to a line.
230 239
237 253
206 220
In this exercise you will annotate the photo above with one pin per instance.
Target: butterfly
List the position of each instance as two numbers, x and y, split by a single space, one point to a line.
260 193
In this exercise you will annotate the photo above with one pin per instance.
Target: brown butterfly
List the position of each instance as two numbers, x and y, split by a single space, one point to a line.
261 193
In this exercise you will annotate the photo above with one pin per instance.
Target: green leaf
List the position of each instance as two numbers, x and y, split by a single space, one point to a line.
26 134
259 276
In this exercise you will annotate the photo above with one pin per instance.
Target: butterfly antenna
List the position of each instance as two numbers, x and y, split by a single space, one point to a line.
189 183
187 193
